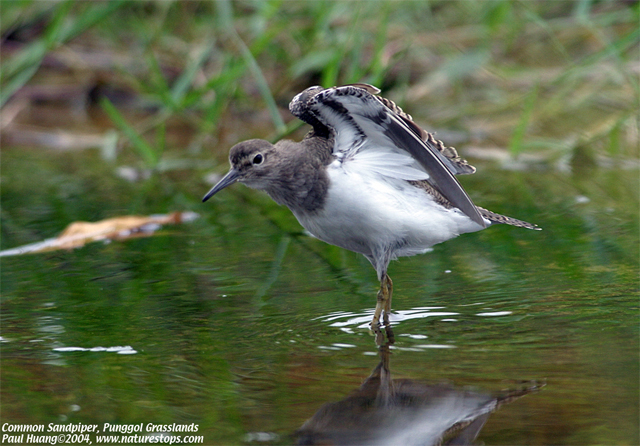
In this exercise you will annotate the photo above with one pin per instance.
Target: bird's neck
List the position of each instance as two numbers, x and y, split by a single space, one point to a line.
301 182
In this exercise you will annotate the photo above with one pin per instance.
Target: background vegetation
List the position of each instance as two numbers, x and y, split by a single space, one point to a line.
556 80
239 321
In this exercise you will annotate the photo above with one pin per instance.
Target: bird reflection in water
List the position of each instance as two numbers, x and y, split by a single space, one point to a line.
385 411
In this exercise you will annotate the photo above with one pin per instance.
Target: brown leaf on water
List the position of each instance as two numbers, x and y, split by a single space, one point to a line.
80 233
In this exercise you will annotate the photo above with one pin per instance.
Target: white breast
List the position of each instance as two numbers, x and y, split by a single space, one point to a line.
370 213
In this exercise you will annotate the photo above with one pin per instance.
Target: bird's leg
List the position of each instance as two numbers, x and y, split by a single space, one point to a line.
383 303
375 322
391 338
386 281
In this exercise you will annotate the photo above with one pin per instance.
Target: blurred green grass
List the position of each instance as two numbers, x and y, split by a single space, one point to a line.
546 78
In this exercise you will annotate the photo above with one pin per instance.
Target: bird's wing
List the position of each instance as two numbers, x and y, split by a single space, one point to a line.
377 135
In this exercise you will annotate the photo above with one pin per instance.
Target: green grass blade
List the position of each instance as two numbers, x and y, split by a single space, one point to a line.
16 83
516 146
183 83
21 68
146 152
263 87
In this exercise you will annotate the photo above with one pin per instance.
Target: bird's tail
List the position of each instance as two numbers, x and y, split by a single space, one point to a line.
503 219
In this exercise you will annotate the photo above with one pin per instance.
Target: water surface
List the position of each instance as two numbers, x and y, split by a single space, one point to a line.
244 325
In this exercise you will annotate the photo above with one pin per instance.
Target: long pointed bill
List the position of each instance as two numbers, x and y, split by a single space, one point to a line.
227 180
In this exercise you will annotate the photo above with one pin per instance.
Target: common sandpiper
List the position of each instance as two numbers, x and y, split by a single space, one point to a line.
366 178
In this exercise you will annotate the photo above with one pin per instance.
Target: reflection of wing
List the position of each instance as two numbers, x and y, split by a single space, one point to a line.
378 136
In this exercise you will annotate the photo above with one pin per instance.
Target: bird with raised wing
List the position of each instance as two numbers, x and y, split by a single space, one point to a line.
365 178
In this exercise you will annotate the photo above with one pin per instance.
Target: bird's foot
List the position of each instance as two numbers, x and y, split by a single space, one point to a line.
391 338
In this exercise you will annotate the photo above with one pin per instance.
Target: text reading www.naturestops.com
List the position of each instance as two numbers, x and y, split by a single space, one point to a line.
78 433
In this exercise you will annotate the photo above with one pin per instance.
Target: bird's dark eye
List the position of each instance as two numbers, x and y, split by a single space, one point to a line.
257 159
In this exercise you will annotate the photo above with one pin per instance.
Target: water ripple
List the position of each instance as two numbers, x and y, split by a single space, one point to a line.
126 350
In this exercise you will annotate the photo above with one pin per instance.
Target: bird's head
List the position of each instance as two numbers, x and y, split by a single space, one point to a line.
250 161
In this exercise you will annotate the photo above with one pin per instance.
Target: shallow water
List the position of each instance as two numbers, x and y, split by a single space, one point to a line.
242 324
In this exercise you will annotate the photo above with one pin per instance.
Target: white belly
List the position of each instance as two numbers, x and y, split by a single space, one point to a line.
374 214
